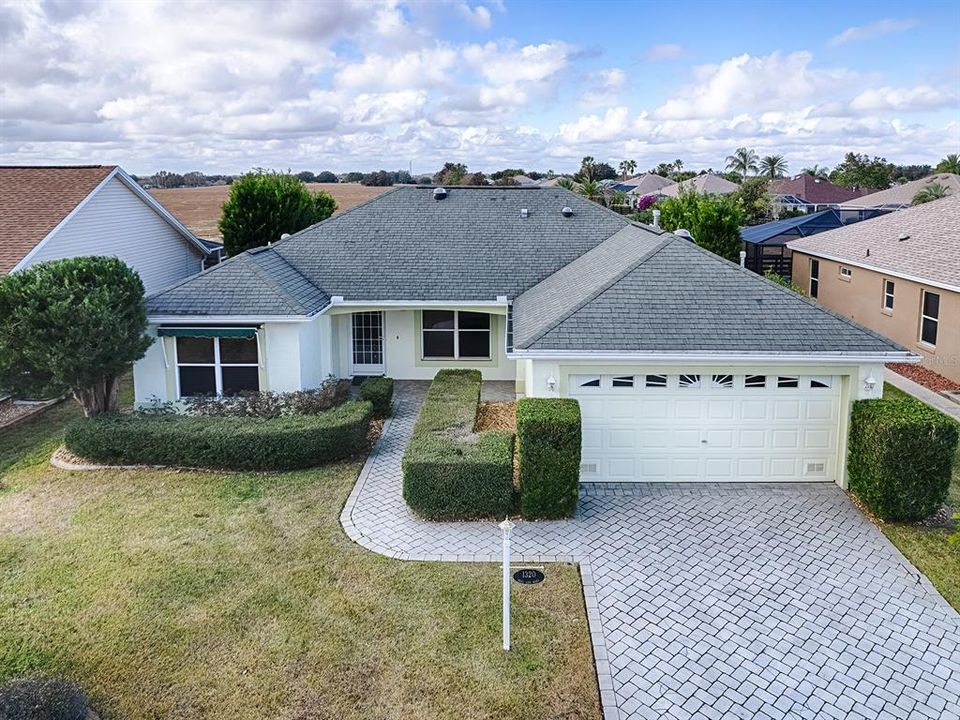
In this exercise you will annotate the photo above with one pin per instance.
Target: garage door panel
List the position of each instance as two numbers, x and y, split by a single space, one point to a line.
709 433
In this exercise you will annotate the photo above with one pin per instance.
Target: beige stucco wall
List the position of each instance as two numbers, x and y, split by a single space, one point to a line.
861 298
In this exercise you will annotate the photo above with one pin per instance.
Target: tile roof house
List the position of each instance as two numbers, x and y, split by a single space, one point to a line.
647 184
900 196
813 192
49 213
898 274
706 184
547 290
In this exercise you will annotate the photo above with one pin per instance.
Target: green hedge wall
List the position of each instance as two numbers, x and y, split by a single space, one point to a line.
228 443
900 457
379 391
451 472
548 437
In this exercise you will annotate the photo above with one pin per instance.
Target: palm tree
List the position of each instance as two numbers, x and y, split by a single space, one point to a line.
742 161
950 164
590 189
677 165
627 168
930 192
566 183
817 171
774 166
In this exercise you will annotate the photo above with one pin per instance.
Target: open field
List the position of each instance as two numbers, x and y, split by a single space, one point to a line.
199 208
205 595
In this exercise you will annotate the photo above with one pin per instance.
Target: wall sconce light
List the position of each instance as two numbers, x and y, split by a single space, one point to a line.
551 383
870 382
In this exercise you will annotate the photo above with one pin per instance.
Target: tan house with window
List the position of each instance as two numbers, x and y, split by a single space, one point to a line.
897 274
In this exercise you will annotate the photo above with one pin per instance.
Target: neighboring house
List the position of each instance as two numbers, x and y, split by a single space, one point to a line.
812 194
49 213
900 196
647 184
524 180
766 244
898 274
706 374
553 181
706 184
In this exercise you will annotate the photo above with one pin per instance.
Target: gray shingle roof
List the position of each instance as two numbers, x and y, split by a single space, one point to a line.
682 298
900 195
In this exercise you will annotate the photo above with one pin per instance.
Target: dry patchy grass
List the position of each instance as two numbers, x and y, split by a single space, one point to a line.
205 595
199 208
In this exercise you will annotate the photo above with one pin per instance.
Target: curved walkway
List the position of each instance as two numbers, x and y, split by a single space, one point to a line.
711 601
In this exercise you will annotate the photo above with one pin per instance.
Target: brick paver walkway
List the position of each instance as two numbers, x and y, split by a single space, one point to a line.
712 601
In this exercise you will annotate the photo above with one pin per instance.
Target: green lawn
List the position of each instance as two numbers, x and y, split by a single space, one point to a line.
928 548
206 595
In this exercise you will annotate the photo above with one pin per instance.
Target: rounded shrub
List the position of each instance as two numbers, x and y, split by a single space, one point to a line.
900 457
228 443
379 392
548 442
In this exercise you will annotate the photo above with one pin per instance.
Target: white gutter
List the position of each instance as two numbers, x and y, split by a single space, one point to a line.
695 356
201 320
337 301
874 268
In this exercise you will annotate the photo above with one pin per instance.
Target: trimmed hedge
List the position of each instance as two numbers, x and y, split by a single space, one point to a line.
379 391
228 443
451 472
900 457
548 438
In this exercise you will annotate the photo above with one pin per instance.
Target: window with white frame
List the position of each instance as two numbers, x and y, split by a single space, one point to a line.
814 277
217 366
929 317
655 381
622 381
755 381
788 381
888 287
818 382
689 381
845 272
455 335
722 381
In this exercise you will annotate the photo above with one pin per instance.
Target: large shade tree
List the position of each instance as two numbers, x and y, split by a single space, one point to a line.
263 205
714 221
72 325
743 162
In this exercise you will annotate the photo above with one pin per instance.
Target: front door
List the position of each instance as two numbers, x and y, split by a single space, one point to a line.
367 358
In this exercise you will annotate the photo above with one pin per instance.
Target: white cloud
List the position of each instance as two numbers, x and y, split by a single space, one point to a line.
604 87
921 98
667 51
503 64
858 33
421 69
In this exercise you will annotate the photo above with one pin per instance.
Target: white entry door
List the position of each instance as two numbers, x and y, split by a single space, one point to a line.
708 427
367 340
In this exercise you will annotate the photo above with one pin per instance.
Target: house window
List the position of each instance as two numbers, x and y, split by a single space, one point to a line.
217 366
689 381
455 335
655 381
814 277
623 381
820 381
723 381
929 317
755 381
845 273
591 382
788 381
888 295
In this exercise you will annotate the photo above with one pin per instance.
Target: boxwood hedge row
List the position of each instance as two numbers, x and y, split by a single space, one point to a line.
451 472
229 443
379 391
900 457
548 441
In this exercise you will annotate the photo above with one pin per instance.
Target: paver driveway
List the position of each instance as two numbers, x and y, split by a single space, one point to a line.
710 601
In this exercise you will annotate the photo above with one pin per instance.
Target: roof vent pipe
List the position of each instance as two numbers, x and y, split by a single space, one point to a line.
656 219
903 237
439 194
566 211
284 236
743 258
524 212
684 233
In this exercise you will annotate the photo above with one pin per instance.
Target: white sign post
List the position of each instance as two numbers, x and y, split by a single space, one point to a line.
506 526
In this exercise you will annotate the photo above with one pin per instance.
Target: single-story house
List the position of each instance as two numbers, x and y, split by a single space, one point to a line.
897 274
766 244
51 213
708 374
647 184
900 196
811 194
706 184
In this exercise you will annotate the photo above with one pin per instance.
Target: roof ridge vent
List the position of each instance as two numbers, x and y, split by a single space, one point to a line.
439 193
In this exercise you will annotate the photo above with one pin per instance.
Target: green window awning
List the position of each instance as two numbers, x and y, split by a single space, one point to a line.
207 332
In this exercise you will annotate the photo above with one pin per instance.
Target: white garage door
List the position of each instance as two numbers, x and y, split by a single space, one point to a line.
708 427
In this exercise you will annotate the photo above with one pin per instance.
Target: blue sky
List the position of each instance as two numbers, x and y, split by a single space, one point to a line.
396 83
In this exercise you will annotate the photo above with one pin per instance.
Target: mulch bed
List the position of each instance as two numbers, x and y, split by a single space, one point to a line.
12 413
497 416
922 376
